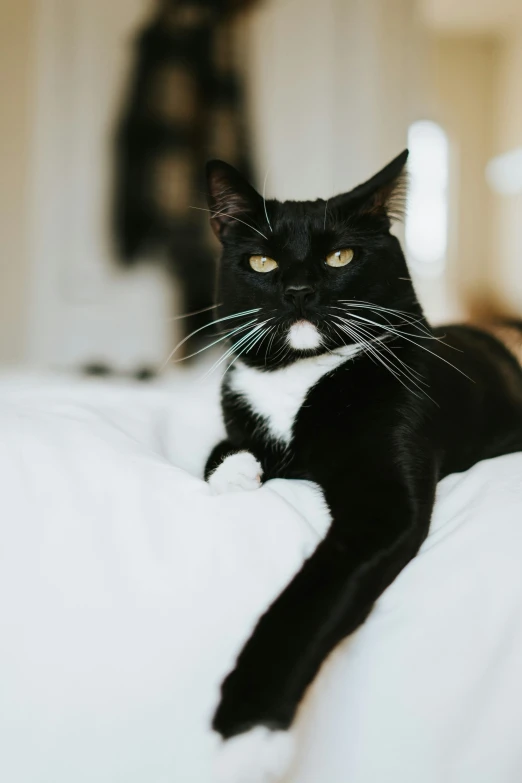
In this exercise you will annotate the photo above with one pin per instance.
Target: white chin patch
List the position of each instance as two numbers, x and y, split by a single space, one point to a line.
304 336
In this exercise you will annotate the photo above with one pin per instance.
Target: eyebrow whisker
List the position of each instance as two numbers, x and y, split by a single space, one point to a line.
264 200
214 214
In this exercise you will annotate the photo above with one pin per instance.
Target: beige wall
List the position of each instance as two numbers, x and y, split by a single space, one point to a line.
334 86
506 251
466 75
478 81
16 64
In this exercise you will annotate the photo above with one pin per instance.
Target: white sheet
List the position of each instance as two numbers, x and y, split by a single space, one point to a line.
126 589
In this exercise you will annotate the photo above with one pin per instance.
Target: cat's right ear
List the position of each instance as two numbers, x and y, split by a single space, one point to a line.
231 199
383 196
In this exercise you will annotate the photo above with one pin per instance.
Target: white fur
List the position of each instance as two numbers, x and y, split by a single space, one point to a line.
304 336
258 756
277 395
236 473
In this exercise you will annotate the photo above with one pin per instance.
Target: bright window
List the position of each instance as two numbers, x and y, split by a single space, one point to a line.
427 216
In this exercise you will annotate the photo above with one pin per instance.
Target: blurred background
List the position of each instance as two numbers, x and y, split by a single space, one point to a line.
110 110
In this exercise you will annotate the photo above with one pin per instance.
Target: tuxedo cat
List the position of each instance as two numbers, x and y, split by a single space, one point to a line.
336 376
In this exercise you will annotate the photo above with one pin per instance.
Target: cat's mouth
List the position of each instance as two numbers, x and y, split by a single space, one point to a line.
304 336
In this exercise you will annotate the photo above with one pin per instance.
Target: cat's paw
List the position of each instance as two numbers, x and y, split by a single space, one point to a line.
257 756
236 473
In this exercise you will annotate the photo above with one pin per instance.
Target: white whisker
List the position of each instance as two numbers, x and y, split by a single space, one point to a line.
228 353
371 349
235 346
385 346
266 333
248 347
413 342
270 342
225 336
213 214
206 326
403 368
378 309
264 200
416 322
194 312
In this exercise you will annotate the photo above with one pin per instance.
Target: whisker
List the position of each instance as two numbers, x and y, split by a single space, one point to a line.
372 305
264 200
381 326
247 348
228 353
206 326
377 343
413 342
270 331
331 328
235 346
346 311
283 351
376 355
267 332
390 325
270 343
225 336
404 368
194 312
250 342
408 317
232 217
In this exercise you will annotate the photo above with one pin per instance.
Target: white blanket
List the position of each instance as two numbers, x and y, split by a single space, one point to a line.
126 590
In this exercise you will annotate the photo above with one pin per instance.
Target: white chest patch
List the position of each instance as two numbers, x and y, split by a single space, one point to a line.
278 395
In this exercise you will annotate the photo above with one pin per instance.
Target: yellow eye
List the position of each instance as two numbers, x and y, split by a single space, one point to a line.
262 263
340 257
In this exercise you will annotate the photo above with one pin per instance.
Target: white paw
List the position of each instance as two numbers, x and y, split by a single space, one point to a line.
236 473
258 756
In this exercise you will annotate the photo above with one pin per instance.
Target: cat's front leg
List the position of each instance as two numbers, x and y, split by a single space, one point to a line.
380 518
230 469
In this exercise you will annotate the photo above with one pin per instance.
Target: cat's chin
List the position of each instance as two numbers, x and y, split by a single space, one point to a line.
304 336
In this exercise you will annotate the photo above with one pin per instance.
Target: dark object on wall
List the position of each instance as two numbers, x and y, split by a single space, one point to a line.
184 106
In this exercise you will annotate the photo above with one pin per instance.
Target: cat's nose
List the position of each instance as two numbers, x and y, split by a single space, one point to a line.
298 293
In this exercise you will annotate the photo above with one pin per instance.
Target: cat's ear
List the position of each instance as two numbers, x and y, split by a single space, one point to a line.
384 195
231 199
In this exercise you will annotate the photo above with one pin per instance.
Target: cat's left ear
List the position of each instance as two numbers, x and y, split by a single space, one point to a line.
231 199
384 195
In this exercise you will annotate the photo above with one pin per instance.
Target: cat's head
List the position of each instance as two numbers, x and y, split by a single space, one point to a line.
300 278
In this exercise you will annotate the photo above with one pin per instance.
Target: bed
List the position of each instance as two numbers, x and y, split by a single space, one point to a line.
127 589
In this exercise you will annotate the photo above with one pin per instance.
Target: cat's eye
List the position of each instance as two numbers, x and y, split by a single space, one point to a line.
340 257
262 263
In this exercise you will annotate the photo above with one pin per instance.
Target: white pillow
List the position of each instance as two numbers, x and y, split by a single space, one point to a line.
127 589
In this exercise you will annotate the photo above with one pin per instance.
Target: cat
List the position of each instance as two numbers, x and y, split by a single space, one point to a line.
337 377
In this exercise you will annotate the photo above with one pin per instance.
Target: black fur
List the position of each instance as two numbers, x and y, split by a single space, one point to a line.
376 443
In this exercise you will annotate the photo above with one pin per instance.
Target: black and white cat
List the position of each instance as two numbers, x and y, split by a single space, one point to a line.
337 377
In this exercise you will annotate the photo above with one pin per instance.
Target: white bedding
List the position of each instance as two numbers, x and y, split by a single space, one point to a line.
126 589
